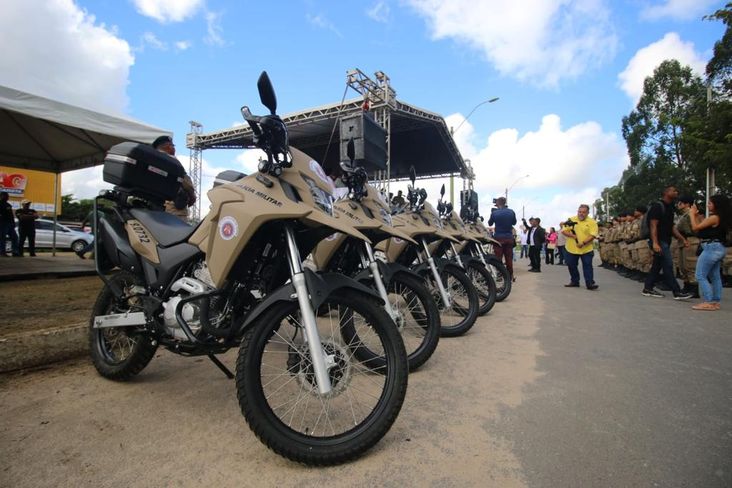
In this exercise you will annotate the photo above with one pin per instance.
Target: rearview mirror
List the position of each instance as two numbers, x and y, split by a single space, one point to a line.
442 191
412 174
266 93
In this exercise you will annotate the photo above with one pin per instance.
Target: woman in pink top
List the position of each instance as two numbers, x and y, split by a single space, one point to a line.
551 245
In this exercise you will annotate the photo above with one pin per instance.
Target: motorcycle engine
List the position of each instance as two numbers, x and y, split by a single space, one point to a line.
185 287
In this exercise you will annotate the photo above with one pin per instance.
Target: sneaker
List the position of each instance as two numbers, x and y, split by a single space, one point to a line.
652 293
682 296
593 286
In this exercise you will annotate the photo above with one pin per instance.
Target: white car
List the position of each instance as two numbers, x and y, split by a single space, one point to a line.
65 237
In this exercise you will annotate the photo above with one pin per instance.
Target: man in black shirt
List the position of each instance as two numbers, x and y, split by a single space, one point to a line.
26 227
7 226
661 228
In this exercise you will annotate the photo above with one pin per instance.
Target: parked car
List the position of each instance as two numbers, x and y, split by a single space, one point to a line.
65 238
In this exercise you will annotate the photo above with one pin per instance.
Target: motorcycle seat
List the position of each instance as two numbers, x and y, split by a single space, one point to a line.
167 229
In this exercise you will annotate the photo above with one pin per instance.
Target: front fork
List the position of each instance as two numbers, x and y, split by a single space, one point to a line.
431 261
476 251
321 362
457 256
378 281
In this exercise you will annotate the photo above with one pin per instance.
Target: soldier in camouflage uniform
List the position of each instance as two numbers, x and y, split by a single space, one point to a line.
686 255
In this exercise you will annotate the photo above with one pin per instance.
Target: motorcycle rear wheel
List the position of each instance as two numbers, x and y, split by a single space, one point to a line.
278 394
118 353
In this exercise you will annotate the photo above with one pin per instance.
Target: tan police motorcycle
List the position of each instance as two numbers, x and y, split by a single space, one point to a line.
237 280
476 270
455 296
482 250
406 298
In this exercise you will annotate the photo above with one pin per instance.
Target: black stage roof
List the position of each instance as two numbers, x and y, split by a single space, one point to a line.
418 137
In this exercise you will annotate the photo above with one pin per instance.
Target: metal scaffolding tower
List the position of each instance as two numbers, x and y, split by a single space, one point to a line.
382 97
195 167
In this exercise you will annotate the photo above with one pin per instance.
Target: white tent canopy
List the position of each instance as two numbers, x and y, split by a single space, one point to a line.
47 135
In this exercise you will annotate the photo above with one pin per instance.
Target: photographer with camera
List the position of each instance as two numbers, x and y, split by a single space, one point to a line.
580 232
504 219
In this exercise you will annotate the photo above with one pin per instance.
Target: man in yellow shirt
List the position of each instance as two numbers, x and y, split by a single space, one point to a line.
580 231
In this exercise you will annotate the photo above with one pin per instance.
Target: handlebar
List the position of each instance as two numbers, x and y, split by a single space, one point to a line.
270 135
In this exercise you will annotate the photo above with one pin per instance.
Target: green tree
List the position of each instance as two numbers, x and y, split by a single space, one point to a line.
719 68
653 131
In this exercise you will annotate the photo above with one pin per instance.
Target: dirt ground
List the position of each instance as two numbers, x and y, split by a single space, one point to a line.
43 303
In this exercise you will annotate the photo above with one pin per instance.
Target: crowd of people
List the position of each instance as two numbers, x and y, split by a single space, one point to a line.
652 244
671 238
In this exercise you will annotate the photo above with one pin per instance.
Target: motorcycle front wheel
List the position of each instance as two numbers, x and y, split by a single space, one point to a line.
460 316
278 394
417 319
484 285
501 276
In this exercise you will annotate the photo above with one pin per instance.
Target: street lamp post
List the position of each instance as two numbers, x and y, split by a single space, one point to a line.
490 100
514 184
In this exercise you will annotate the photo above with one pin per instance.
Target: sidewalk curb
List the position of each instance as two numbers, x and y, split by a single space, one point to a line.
36 348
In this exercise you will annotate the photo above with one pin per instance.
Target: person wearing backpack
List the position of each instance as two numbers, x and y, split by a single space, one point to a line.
659 225
713 233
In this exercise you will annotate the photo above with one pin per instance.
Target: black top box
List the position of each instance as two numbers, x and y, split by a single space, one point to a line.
143 171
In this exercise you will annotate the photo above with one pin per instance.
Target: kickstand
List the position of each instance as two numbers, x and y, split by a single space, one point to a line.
221 366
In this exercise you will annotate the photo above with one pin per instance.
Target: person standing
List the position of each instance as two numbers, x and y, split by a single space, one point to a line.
26 227
524 234
661 228
536 239
581 231
504 219
561 247
713 233
687 255
7 226
551 246
186 196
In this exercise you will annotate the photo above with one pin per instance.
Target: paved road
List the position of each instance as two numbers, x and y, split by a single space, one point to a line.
555 388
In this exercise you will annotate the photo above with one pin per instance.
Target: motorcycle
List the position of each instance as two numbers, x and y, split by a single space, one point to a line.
476 270
482 250
406 299
237 280
454 294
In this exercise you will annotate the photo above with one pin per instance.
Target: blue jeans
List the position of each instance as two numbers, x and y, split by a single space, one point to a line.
7 229
707 271
663 261
572 263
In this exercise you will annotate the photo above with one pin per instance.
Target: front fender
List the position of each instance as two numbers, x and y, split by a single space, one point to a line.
387 271
320 286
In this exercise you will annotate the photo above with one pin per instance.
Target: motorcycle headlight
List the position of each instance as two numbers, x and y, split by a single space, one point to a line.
322 198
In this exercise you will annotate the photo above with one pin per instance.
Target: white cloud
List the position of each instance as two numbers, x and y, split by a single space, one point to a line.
151 40
539 41
379 12
566 167
646 59
66 56
183 45
678 9
214 31
166 11
322 22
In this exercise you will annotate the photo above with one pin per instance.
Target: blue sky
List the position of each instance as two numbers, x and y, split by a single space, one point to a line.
566 72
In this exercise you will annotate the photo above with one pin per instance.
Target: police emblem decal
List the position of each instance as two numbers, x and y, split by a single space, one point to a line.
228 228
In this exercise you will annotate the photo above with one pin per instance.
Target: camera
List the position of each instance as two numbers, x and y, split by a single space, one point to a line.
570 223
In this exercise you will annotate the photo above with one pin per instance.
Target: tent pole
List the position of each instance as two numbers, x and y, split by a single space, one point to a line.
55 212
